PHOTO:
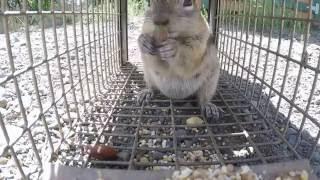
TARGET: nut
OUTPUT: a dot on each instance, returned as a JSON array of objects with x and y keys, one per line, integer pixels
[
  {"x": 160, "y": 34},
  {"x": 101, "y": 152},
  {"x": 194, "y": 121}
]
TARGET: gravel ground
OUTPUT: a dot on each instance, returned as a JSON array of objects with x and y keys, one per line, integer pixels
[{"x": 9, "y": 106}]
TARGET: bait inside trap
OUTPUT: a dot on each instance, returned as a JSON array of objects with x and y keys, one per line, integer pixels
[{"x": 86, "y": 115}]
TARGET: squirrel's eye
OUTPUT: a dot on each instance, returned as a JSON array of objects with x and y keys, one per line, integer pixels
[{"x": 187, "y": 3}]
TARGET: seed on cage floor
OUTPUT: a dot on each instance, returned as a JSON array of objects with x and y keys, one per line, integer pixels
[
  {"x": 3, "y": 161},
  {"x": 194, "y": 121}
]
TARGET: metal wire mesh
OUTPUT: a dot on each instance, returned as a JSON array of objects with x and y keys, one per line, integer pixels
[
  {"x": 91, "y": 90},
  {"x": 160, "y": 128},
  {"x": 68, "y": 58}
]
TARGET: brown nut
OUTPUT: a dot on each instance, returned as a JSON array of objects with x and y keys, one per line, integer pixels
[
  {"x": 160, "y": 34},
  {"x": 101, "y": 152}
]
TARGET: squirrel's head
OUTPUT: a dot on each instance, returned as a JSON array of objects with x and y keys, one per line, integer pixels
[{"x": 179, "y": 16}]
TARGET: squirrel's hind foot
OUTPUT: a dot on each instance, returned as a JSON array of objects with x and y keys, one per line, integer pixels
[
  {"x": 144, "y": 96},
  {"x": 212, "y": 111}
]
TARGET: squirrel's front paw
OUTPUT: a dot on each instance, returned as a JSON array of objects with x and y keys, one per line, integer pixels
[
  {"x": 144, "y": 95},
  {"x": 212, "y": 111},
  {"x": 168, "y": 49},
  {"x": 146, "y": 44}
]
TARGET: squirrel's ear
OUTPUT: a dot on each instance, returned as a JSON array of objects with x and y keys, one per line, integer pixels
[{"x": 198, "y": 4}]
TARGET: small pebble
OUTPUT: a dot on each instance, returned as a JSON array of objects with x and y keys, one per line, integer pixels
[
  {"x": 167, "y": 158},
  {"x": 292, "y": 173},
  {"x": 156, "y": 155},
  {"x": 195, "y": 155},
  {"x": 143, "y": 142},
  {"x": 145, "y": 131},
  {"x": 73, "y": 108},
  {"x": 230, "y": 168},
  {"x": 66, "y": 119},
  {"x": 164, "y": 143},
  {"x": 144, "y": 160},
  {"x": 3, "y": 103},
  {"x": 200, "y": 174},
  {"x": 3, "y": 161},
  {"x": 224, "y": 169},
  {"x": 224, "y": 173},
  {"x": 183, "y": 174},
  {"x": 153, "y": 133},
  {"x": 245, "y": 169},
  {"x": 124, "y": 156}
]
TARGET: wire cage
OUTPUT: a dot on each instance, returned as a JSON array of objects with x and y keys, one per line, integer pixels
[{"x": 67, "y": 83}]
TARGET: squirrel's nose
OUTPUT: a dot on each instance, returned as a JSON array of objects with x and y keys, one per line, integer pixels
[{"x": 160, "y": 21}]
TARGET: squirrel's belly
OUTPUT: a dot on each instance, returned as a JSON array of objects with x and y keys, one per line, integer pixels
[{"x": 177, "y": 88}]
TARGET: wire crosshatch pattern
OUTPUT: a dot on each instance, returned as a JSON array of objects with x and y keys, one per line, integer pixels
[{"x": 97, "y": 105}]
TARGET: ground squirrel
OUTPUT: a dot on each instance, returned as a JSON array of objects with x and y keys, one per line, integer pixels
[{"x": 179, "y": 54}]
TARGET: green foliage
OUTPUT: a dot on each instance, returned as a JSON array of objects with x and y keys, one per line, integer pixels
[
  {"x": 14, "y": 4},
  {"x": 33, "y": 4},
  {"x": 204, "y": 12},
  {"x": 136, "y": 7},
  {"x": 258, "y": 14},
  {"x": 274, "y": 8}
]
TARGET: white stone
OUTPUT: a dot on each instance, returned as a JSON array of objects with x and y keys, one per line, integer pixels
[
  {"x": 3, "y": 99},
  {"x": 164, "y": 143},
  {"x": 66, "y": 119},
  {"x": 13, "y": 132}
]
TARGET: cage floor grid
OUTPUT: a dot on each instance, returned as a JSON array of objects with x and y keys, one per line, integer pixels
[{"x": 156, "y": 136}]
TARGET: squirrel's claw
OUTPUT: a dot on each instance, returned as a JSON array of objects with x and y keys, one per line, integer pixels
[
  {"x": 168, "y": 49},
  {"x": 145, "y": 95},
  {"x": 212, "y": 111},
  {"x": 146, "y": 44}
]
